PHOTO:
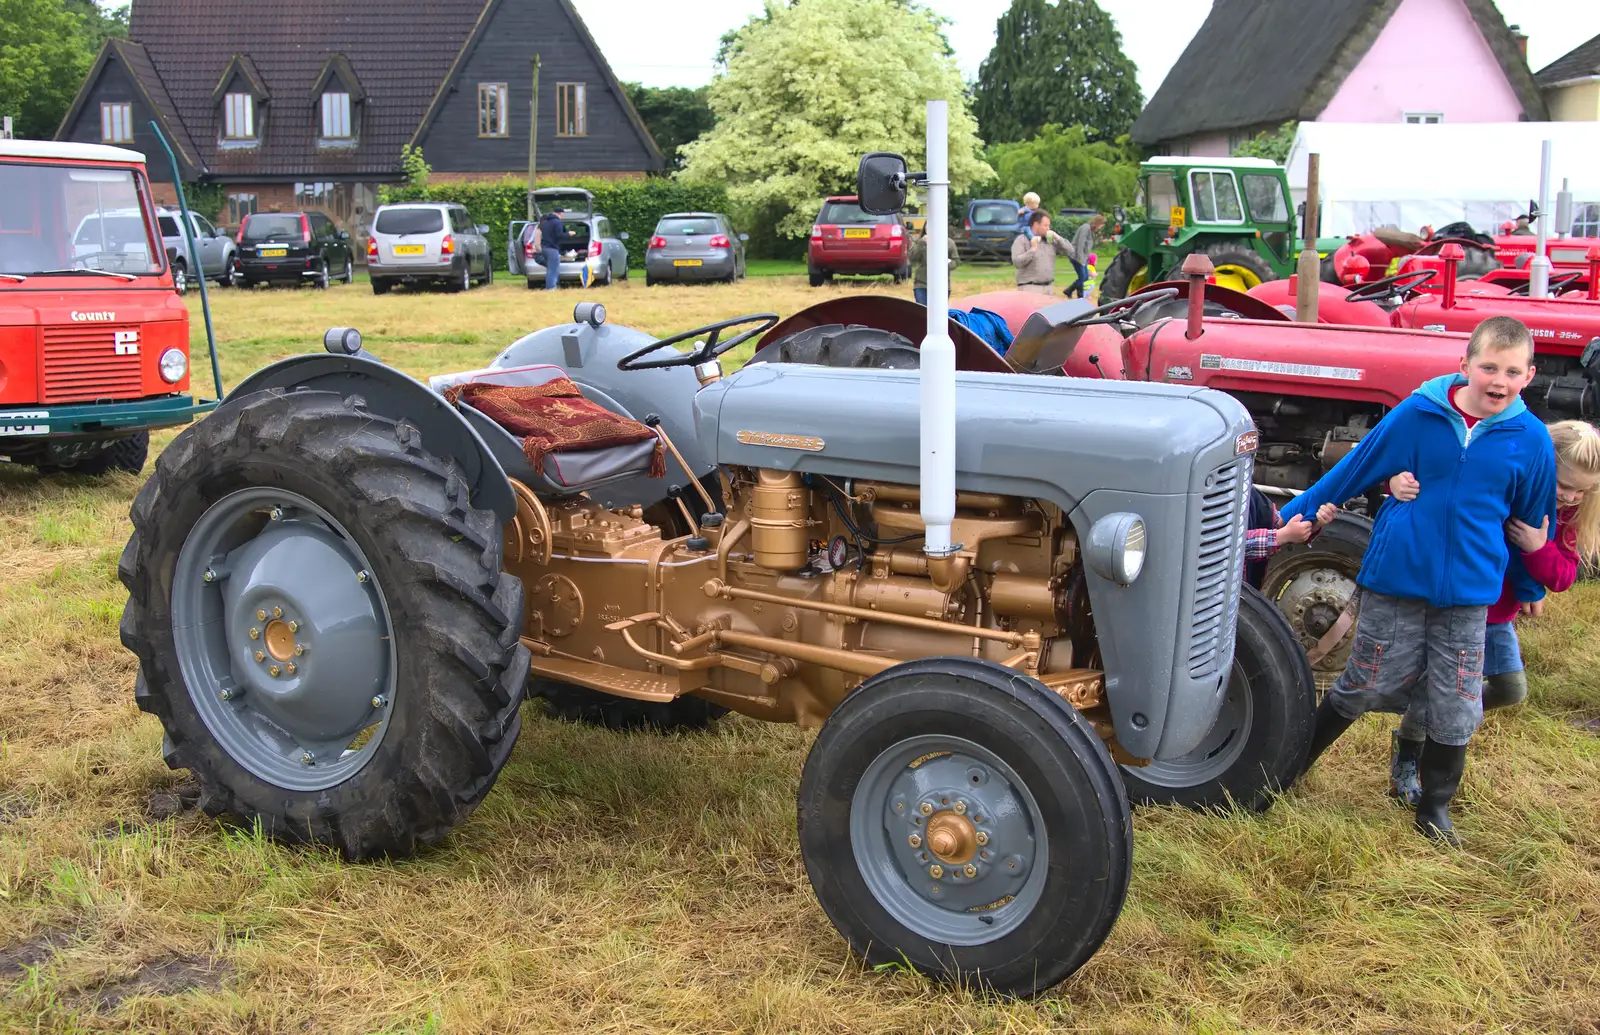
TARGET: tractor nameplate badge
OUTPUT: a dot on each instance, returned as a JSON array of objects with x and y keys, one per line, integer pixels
[
  {"x": 810, "y": 443},
  {"x": 1178, "y": 373},
  {"x": 1267, "y": 366},
  {"x": 16, "y": 422}
]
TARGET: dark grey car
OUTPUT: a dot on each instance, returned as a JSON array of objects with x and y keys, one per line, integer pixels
[
  {"x": 694, "y": 246},
  {"x": 591, "y": 249}
]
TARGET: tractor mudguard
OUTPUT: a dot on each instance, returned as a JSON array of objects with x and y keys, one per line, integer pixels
[
  {"x": 387, "y": 391},
  {"x": 589, "y": 355},
  {"x": 1176, "y": 456}
]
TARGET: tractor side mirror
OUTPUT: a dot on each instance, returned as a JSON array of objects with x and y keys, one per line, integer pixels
[{"x": 881, "y": 183}]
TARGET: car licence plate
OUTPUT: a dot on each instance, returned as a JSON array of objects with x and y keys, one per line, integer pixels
[
  {"x": 272, "y": 253},
  {"x": 863, "y": 232},
  {"x": 686, "y": 262},
  {"x": 408, "y": 249}
]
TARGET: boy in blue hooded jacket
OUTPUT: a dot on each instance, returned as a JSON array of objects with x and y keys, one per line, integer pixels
[{"x": 1433, "y": 567}]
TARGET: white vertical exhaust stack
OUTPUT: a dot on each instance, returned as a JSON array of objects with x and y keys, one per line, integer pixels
[
  {"x": 938, "y": 363},
  {"x": 1539, "y": 267}
]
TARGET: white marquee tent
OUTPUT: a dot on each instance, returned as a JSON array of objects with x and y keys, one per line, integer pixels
[{"x": 1407, "y": 176}]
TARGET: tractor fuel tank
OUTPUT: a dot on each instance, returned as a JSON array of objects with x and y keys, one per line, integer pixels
[{"x": 1180, "y": 458}]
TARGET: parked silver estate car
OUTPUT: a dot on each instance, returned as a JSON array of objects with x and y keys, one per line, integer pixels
[
  {"x": 590, "y": 243},
  {"x": 216, "y": 249},
  {"x": 694, "y": 246},
  {"x": 426, "y": 243}
]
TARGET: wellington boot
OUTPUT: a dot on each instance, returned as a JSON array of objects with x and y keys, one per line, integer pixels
[
  {"x": 1403, "y": 781},
  {"x": 1440, "y": 769},
  {"x": 1328, "y": 727}
]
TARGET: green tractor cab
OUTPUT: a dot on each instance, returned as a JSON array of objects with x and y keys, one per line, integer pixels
[{"x": 1235, "y": 210}]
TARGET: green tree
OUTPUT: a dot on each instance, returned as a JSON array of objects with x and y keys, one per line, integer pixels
[
  {"x": 1065, "y": 168},
  {"x": 674, "y": 115},
  {"x": 1059, "y": 62},
  {"x": 100, "y": 23},
  {"x": 1270, "y": 144},
  {"x": 45, "y": 49},
  {"x": 810, "y": 87}
]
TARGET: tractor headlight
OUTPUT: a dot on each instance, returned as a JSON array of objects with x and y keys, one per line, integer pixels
[
  {"x": 174, "y": 364},
  {"x": 1116, "y": 548}
]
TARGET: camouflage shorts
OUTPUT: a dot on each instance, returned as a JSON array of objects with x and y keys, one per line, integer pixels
[{"x": 1405, "y": 648}]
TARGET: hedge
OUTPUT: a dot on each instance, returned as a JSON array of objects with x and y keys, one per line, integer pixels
[{"x": 634, "y": 206}]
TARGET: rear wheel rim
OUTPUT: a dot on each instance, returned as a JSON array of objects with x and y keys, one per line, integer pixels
[
  {"x": 935, "y": 788},
  {"x": 267, "y": 580},
  {"x": 1137, "y": 282},
  {"x": 1311, "y": 591}
]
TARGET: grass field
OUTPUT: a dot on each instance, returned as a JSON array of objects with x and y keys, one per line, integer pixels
[{"x": 645, "y": 884}]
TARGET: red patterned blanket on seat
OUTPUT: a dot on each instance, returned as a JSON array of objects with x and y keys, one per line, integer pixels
[{"x": 555, "y": 418}]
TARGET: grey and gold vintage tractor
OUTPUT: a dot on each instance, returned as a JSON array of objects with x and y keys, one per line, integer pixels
[{"x": 984, "y": 592}]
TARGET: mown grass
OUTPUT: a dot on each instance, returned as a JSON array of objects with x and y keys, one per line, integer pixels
[{"x": 647, "y": 884}]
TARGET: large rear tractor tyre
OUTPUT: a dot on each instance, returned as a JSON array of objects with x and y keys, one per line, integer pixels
[
  {"x": 957, "y": 817},
  {"x": 322, "y": 624},
  {"x": 1257, "y": 747},
  {"x": 580, "y": 704},
  {"x": 842, "y": 345},
  {"x": 1124, "y": 276},
  {"x": 1313, "y": 584},
  {"x": 1238, "y": 265}
]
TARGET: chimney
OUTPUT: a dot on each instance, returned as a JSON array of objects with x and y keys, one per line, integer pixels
[{"x": 1522, "y": 40}]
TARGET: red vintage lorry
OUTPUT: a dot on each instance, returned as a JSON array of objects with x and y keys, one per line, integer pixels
[{"x": 94, "y": 340}]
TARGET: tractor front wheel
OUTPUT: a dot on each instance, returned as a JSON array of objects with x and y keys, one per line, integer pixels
[
  {"x": 1126, "y": 275},
  {"x": 322, "y": 624},
  {"x": 1257, "y": 746},
  {"x": 1238, "y": 265},
  {"x": 1314, "y": 586},
  {"x": 958, "y": 817}
]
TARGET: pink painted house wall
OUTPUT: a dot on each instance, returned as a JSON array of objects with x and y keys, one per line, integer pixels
[{"x": 1429, "y": 58}]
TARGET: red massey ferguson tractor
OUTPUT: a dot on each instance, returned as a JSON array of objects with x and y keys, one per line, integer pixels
[{"x": 1313, "y": 389}]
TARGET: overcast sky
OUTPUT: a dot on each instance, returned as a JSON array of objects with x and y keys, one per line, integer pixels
[{"x": 655, "y": 43}]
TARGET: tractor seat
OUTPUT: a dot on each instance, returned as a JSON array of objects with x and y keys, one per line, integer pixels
[{"x": 546, "y": 435}]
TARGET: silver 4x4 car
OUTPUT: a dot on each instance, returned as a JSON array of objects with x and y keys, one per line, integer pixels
[
  {"x": 215, "y": 249},
  {"x": 427, "y": 243}
]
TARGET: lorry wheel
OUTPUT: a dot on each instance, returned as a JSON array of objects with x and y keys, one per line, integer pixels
[
  {"x": 1124, "y": 276},
  {"x": 1257, "y": 747},
  {"x": 124, "y": 454},
  {"x": 1314, "y": 583},
  {"x": 580, "y": 704},
  {"x": 957, "y": 817},
  {"x": 1238, "y": 265},
  {"x": 842, "y": 345},
  {"x": 322, "y": 624}
]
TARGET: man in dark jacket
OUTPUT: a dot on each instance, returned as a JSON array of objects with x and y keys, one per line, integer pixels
[{"x": 551, "y": 230}]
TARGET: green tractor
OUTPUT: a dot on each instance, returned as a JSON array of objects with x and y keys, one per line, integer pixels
[{"x": 1235, "y": 210}]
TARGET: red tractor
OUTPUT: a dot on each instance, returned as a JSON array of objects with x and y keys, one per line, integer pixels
[
  {"x": 1313, "y": 389},
  {"x": 1501, "y": 261}
]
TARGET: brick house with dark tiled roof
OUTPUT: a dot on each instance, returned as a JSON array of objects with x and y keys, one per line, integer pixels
[{"x": 294, "y": 104}]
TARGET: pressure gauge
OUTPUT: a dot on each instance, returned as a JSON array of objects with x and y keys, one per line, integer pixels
[{"x": 838, "y": 552}]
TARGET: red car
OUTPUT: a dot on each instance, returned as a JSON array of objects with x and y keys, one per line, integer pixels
[{"x": 844, "y": 239}]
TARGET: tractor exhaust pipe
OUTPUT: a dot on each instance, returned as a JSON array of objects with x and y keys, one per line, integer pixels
[
  {"x": 1539, "y": 268},
  {"x": 1196, "y": 268},
  {"x": 938, "y": 359}
]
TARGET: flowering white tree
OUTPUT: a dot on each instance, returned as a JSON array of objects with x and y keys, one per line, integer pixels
[{"x": 811, "y": 87}]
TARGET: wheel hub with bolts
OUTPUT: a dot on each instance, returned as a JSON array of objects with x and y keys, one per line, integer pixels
[
  {"x": 955, "y": 853},
  {"x": 284, "y": 638}
]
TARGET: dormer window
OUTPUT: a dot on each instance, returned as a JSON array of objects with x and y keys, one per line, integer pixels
[
  {"x": 238, "y": 117},
  {"x": 336, "y": 115}
]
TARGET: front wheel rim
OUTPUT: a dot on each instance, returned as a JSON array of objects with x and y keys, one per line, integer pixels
[
  {"x": 1311, "y": 592},
  {"x": 1221, "y": 749},
  {"x": 949, "y": 840},
  {"x": 283, "y": 637}
]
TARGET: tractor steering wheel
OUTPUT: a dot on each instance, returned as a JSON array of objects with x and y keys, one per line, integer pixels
[
  {"x": 1110, "y": 312},
  {"x": 1398, "y": 284},
  {"x": 709, "y": 351},
  {"x": 1555, "y": 284}
]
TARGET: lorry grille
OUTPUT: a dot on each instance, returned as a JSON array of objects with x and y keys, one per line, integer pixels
[
  {"x": 1219, "y": 568},
  {"x": 81, "y": 365}
]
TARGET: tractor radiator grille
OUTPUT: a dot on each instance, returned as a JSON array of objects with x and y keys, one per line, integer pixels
[
  {"x": 81, "y": 365},
  {"x": 1218, "y": 568}
]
